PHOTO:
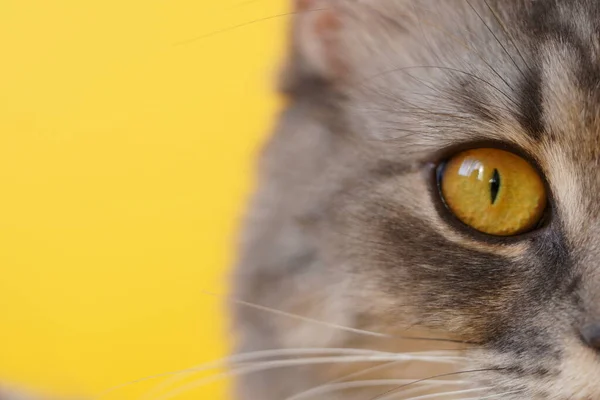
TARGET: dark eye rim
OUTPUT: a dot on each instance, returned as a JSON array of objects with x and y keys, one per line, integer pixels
[{"x": 436, "y": 167}]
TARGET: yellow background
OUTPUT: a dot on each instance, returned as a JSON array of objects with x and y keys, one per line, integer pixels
[{"x": 126, "y": 145}]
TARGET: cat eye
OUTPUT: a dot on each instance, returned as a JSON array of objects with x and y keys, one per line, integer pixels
[{"x": 493, "y": 191}]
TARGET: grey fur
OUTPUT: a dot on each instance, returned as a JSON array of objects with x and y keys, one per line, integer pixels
[{"x": 346, "y": 226}]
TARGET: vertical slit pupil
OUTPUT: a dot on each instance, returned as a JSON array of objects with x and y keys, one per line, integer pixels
[{"x": 495, "y": 185}]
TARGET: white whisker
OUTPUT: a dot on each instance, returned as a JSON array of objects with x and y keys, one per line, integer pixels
[
  {"x": 493, "y": 396},
  {"x": 368, "y": 383},
  {"x": 251, "y": 356},
  {"x": 328, "y": 324},
  {"x": 246, "y": 357},
  {"x": 267, "y": 365},
  {"x": 415, "y": 390},
  {"x": 347, "y": 377},
  {"x": 436, "y": 395},
  {"x": 305, "y": 319},
  {"x": 362, "y": 373}
]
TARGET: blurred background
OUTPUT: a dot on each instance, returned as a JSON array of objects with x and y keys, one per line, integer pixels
[{"x": 128, "y": 131}]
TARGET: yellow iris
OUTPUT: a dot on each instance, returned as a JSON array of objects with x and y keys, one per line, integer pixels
[{"x": 494, "y": 191}]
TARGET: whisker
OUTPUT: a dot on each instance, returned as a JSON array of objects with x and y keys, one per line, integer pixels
[
  {"x": 383, "y": 395},
  {"x": 346, "y": 377},
  {"x": 436, "y": 395},
  {"x": 495, "y": 37},
  {"x": 417, "y": 390},
  {"x": 450, "y": 69},
  {"x": 353, "y": 375},
  {"x": 330, "y": 325},
  {"x": 241, "y": 358},
  {"x": 442, "y": 90},
  {"x": 493, "y": 396},
  {"x": 182, "y": 375},
  {"x": 307, "y": 319},
  {"x": 366, "y": 383},
  {"x": 245, "y": 24},
  {"x": 268, "y": 365},
  {"x": 245, "y": 357},
  {"x": 506, "y": 32}
]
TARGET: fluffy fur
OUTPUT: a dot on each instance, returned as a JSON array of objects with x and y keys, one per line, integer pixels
[{"x": 347, "y": 226}]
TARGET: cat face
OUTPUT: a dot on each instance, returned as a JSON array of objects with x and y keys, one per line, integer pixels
[{"x": 399, "y": 88}]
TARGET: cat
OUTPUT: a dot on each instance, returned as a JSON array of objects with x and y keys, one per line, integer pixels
[
  {"x": 372, "y": 266},
  {"x": 354, "y": 246}
]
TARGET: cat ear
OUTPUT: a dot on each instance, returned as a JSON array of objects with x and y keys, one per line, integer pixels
[
  {"x": 333, "y": 40},
  {"x": 316, "y": 34}
]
